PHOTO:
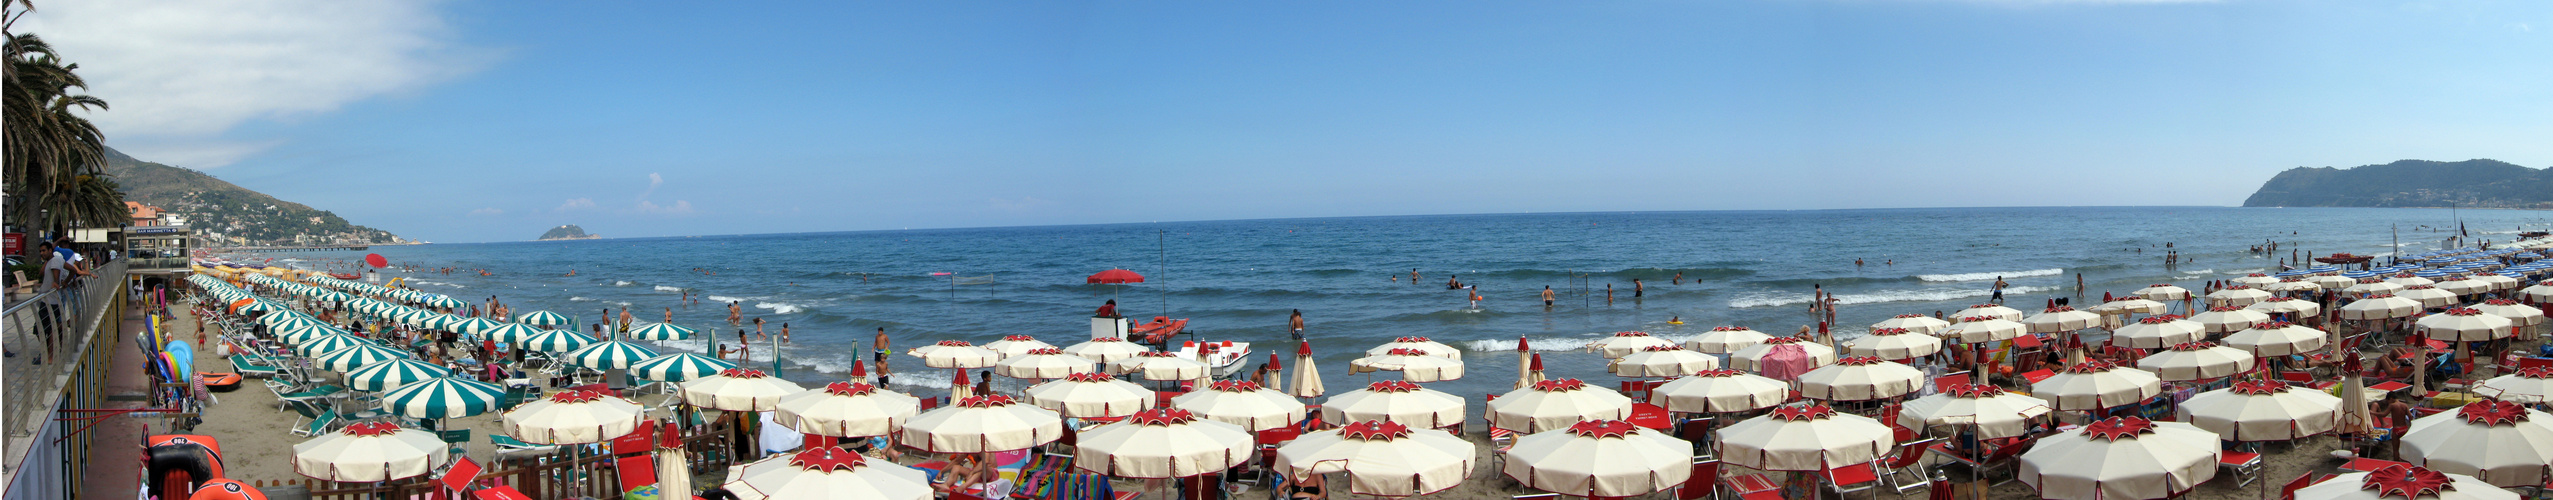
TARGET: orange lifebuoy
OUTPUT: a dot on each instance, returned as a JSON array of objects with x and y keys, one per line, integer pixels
[{"x": 226, "y": 489}]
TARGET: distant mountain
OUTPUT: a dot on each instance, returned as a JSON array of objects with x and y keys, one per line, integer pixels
[
  {"x": 2410, "y": 183},
  {"x": 228, "y": 214},
  {"x": 567, "y": 232}
]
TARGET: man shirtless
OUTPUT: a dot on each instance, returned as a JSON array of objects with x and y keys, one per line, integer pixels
[
  {"x": 1999, "y": 284},
  {"x": 882, "y": 353},
  {"x": 735, "y": 313},
  {"x": 1546, "y": 296}
]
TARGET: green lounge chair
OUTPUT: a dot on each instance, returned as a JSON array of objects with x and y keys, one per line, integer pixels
[{"x": 326, "y": 421}]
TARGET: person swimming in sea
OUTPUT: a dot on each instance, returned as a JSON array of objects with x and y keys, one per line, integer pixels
[{"x": 1675, "y": 320}]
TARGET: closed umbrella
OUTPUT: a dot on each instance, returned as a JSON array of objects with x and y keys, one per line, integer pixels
[
  {"x": 1720, "y": 391},
  {"x": 1600, "y": 458},
  {"x": 1396, "y": 401},
  {"x": 982, "y": 424},
  {"x": 2095, "y": 385},
  {"x": 2121, "y": 458},
  {"x": 446, "y": 397},
  {"x": 1992, "y": 311},
  {"x": 1163, "y": 443},
  {"x": 391, "y": 374},
  {"x": 1860, "y": 379},
  {"x": 1913, "y": 323},
  {"x": 1243, "y": 403},
  {"x": 827, "y": 472},
  {"x": 2403, "y": 482},
  {"x": 2156, "y": 332},
  {"x": 1160, "y": 366},
  {"x": 2228, "y": 319},
  {"x": 1420, "y": 344},
  {"x": 847, "y": 409},
  {"x": 1105, "y": 349},
  {"x": 2278, "y": 338},
  {"x": 1091, "y": 395},
  {"x": 1726, "y": 339},
  {"x": 1783, "y": 357},
  {"x": 370, "y": 452},
  {"x": 1381, "y": 458},
  {"x": 1015, "y": 345},
  {"x": 679, "y": 367},
  {"x": 1043, "y": 363},
  {"x": 2196, "y": 361},
  {"x": 2262, "y": 411},
  {"x": 1554, "y": 404},
  {"x": 1663, "y": 361},
  {"x": 1414, "y": 364},
  {"x": 2061, "y": 319},
  {"x": 1895, "y": 344},
  {"x": 738, "y": 389},
  {"x": 2502, "y": 443},
  {"x": 1307, "y": 380},
  {"x": 1624, "y": 343},
  {"x": 1989, "y": 410},
  {"x": 1804, "y": 438}
]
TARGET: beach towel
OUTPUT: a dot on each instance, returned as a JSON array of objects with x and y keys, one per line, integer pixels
[
  {"x": 1785, "y": 362},
  {"x": 778, "y": 438}
]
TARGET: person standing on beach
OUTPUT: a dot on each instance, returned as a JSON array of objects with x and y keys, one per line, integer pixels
[
  {"x": 880, "y": 357},
  {"x": 1547, "y": 295},
  {"x": 1999, "y": 284},
  {"x": 1294, "y": 323}
]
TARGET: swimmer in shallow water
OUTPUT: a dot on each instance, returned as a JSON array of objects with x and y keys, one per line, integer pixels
[{"x": 1675, "y": 320}]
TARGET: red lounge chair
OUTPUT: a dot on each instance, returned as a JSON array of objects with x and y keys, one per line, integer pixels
[
  {"x": 1702, "y": 484},
  {"x": 1850, "y": 478},
  {"x": 635, "y": 472},
  {"x": 1904, "y": 471},
  {"x": 2288, "y": 492},
  {"x": 1755, "y": 487},
  {"x": 2245, "y": 465},
  {"x": 500, "y": 493}
]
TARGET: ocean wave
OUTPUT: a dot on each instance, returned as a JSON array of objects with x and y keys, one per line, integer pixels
[
  {"x": 579, "y": 299},
  {"x": 1562, "y": 344},
  {"x": 435, "y": 283},
  {"x": 1989, "y": 275},
  {"x": 723, "y": 298},
  {"x": 1920, "y": 295},
  {"x": 781, "y": 307},
  {"x": 2242, "y": 272},
  {"x": 622, "y": 283},
  {"x": 663, "y": 288}
]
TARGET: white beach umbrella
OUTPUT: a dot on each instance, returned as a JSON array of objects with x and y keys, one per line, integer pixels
[
  {"x": 2278, "y": 338},
  {"x": 1163, "y": 443},
  {"x": 1105, "y": 349},
  {"x": 2333, "y": 281},
  {"x": 2228, "y": 319},
  {"x": 2293, "y": 285},
  {"x": 2428, "y": 296},
  {"x": 2519, "y": 315},
  {"x": 1381, "y": 458},
  {"x": 1894, "y": 343},
  {"x": 1624, "y": 343},
  {"x": 1091, "y": 395},
  {"x": 1989, "y": 410},
  {"x": 1663, "y": 361},
  {"x": 2499, "y": 282},
  {"x": 1980, "y": 329},
  {"x": 846, "y": 409},
  {"x": 956, "y": 354},
  {"x": 370, "y": 452},
  {"x": 2237, "y": 296},
  {"x": 1159, "y": 366},
  {"x": 2255, "y": 279},
  {"x": 1804, "y": 438},
  {"x": 1600, "y": 459},
  {"x": 2410, "y": 280},
  {"x": 1015, "y": 345},
  {"x": 2502, "y": 443},
  {"x": 2196, "y": 361},
  {"x": 1243, "y": 403},
  {"x": 2465, "y": 324},
  {"x": 982, "y": 424},
  {"x": 2163, "y": 293},
  {"x": 2541, "y": 293},
  {"x": 738, "y": 389},
  {"x": 573, "y": 417},
  {"x": 2156, "y": 332},
  {"x": 2094, "y": 385},
  {"x": 2262, "y": 411},
  {"x": 1396, "y": 401},
  {"x": 1421, "y": 344},
  {"x": 2061, "y": 319},
  {"x": 2121, "y": 458},
  {"x": 1720, "y": 391},
  {"x": 2289, "y": 306},
  {"x": 1752, "y": 358},
  {"x": 2372, "y": 286},
  {"x": 2403, "y": 482},
  {"x": 2131, "y": 305},
  {"x": 2467, "y": 286},
  {"x": 1726, "y": 339},
  {"x": 1987, "y": 311},
  {"x": 1554, "y": 404},
  {"x": 1911, "y": 322},
  {"x": 1860, "y": 379},
  {"x": 1043, "y": 363},
  {"x": 2526, "y": 386},
  {"x": 827, "y": 472},
  {"x": 2380, "y": 306},
  {"x": 1414, "y": 364}
]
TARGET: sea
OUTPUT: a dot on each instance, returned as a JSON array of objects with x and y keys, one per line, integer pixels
[{"x": 1351, "y": 277}]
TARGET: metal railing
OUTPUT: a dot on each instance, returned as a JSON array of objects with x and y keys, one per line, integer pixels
[{"x": 48, "y": 334}]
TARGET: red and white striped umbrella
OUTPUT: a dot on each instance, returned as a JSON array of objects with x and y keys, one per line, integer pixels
[
  {"x": 827, "y": 472},
  {"x": 1989, "y": 410},
  {"x": 573, "y": 417}
]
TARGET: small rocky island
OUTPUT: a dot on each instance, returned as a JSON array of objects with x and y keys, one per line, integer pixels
[{"x": 567, "y": 232}]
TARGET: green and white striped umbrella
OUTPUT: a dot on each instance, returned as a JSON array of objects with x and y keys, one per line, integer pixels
[
  {"x": 446, "y": 397},
  {"x": 513, "y": 333},
  {"x": 558, "y": 341},
  {"x": 391, "y": 374},
  {"x": 412, "y": 316},
  {"x": 544, "y": 318},
  {"x": 304, "y": 333},
  {"x": 353, "y": 358},
  {"x": 261, "y": 305},
  {"x": 679, "y": 367},
  {"x": 609, "y": 355},
  {"x": 368, "y": 306},
  {"x": 474, "y": 326},
  {"x": 445, "y": 302},
  {"x": 439, "y": 321},
  {"x": 288, "y": 319},
  {"x": 661, "y": 332},
  {"x": 324, "y": 344}
]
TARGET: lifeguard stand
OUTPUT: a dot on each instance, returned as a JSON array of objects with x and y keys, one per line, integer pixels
[{"x": 1106, "y": 327}]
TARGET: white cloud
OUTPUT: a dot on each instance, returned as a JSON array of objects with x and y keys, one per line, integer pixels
[
  {"x": 678, "y": 208},
  {"x": 653, "y": 180},
  {"x": 487, "y": 211},
  {"x": 179, "y": 73},
  {"x": 579, "y": 203}
]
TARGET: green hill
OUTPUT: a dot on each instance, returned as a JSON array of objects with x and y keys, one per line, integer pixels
[
  {"x": 229, "y": 214},
  {"x": 2410, "y": 183}
]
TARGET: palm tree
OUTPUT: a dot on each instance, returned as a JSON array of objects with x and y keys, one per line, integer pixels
[{"x": 55, "y": 159}]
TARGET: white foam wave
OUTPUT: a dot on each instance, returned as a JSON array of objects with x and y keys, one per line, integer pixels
[
  {"x": 2201, "y": 271},
  {"x": 1921, "y": 295},
  {"x": 579, "y": 299},
  {"x": 723, "y": 298},
  {"x": 622, "y": 283},
  {"x": 1561, "y": 344},
  {"x": 2241, "y": 272},
  {"x": 435, "y": 283},
  {"x": 1989, "y": 275},
  {"x": 781, "y": 307},
  {"x": 663, "y": 288}
]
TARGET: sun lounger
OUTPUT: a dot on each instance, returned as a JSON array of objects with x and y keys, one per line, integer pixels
[
  {"x": 326, "y": 421},
  {"x": 248, "y": 366},
  {"x": 508, "y": 446}
]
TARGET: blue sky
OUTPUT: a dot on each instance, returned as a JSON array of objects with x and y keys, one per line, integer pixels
[{"x": 485, "y": 121}]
